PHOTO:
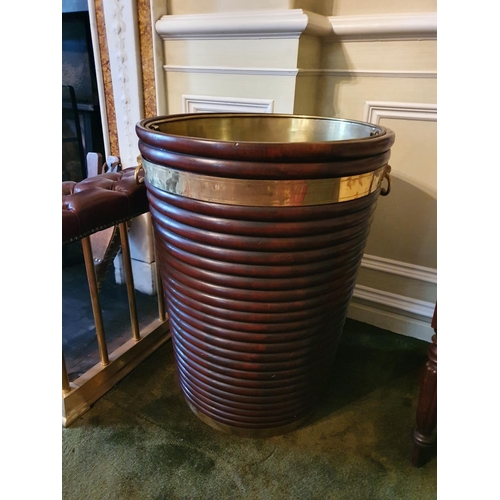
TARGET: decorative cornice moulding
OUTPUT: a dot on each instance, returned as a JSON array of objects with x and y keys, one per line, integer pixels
[
  {"x": 295, "y": 22},
  {"x": 411, "y": 26},
  {"x": 243, "y": 25}
]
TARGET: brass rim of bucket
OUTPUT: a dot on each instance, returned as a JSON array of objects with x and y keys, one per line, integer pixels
[{"x": 268, "y": 136}]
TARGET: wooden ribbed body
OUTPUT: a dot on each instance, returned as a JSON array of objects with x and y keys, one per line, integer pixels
[{"x": 256, "y": 295}]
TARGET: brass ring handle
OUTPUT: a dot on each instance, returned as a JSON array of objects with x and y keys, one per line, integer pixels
[
  {"x": 136, "y": 175},
  {"x": 383, "y": 191}
]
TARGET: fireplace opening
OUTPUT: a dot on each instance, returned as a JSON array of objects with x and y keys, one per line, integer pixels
[{"x": 81, "y": 118}]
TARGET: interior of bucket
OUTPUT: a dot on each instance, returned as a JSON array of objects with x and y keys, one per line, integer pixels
[{"x": 264, "y": 128}]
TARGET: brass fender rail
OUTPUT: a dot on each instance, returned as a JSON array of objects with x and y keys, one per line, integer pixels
[{"x": 79, "y": 395}]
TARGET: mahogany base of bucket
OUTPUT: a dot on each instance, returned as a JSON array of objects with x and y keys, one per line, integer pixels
[{"x": 249, "y": 433}]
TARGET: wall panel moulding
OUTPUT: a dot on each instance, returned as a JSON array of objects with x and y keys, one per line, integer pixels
[
  {"x": 242, "y": 25},
  {"x": 376, "y": 110},
  {"x": 210, "y": 104}
]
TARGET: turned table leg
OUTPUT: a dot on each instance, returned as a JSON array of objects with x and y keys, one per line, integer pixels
[{"x": 426, "y": 418}]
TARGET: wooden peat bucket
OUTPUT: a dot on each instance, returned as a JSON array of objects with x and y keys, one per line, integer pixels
[{"x": 261, "y": 221}]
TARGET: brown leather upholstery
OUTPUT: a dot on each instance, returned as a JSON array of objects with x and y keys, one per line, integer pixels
[{"x": 100, "y": 202}]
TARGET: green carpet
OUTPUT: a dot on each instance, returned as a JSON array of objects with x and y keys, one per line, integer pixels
[{"x": 141, "y": 441}]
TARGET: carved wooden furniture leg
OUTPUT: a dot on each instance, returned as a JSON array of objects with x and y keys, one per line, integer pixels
[{"x": 426, "y": 418}]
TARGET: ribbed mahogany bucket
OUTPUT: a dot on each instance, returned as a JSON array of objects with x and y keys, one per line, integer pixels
[{"x": 260, "y": 225}]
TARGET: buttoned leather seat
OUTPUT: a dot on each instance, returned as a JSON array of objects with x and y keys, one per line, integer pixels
[{"x": 99, "y": 202}]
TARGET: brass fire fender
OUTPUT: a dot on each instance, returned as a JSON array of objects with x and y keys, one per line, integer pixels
[{"x": 78, "y": 396}]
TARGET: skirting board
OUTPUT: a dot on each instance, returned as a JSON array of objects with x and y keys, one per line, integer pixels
[
  {"x": 393, "y": 312},
  {"x": 390, "y": 321},
  {"x": 390, "y": 299}
]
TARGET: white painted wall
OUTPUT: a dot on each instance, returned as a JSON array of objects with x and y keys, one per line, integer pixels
[
  {"x": 179, "y": 7},
  {"x": 376, "y": 62},
  {"x": 381, "y": 68},
  {"x": 362, "y": 60}
]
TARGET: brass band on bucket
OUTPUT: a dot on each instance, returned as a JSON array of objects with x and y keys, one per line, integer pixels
[{"x": 262, "y": 192}]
